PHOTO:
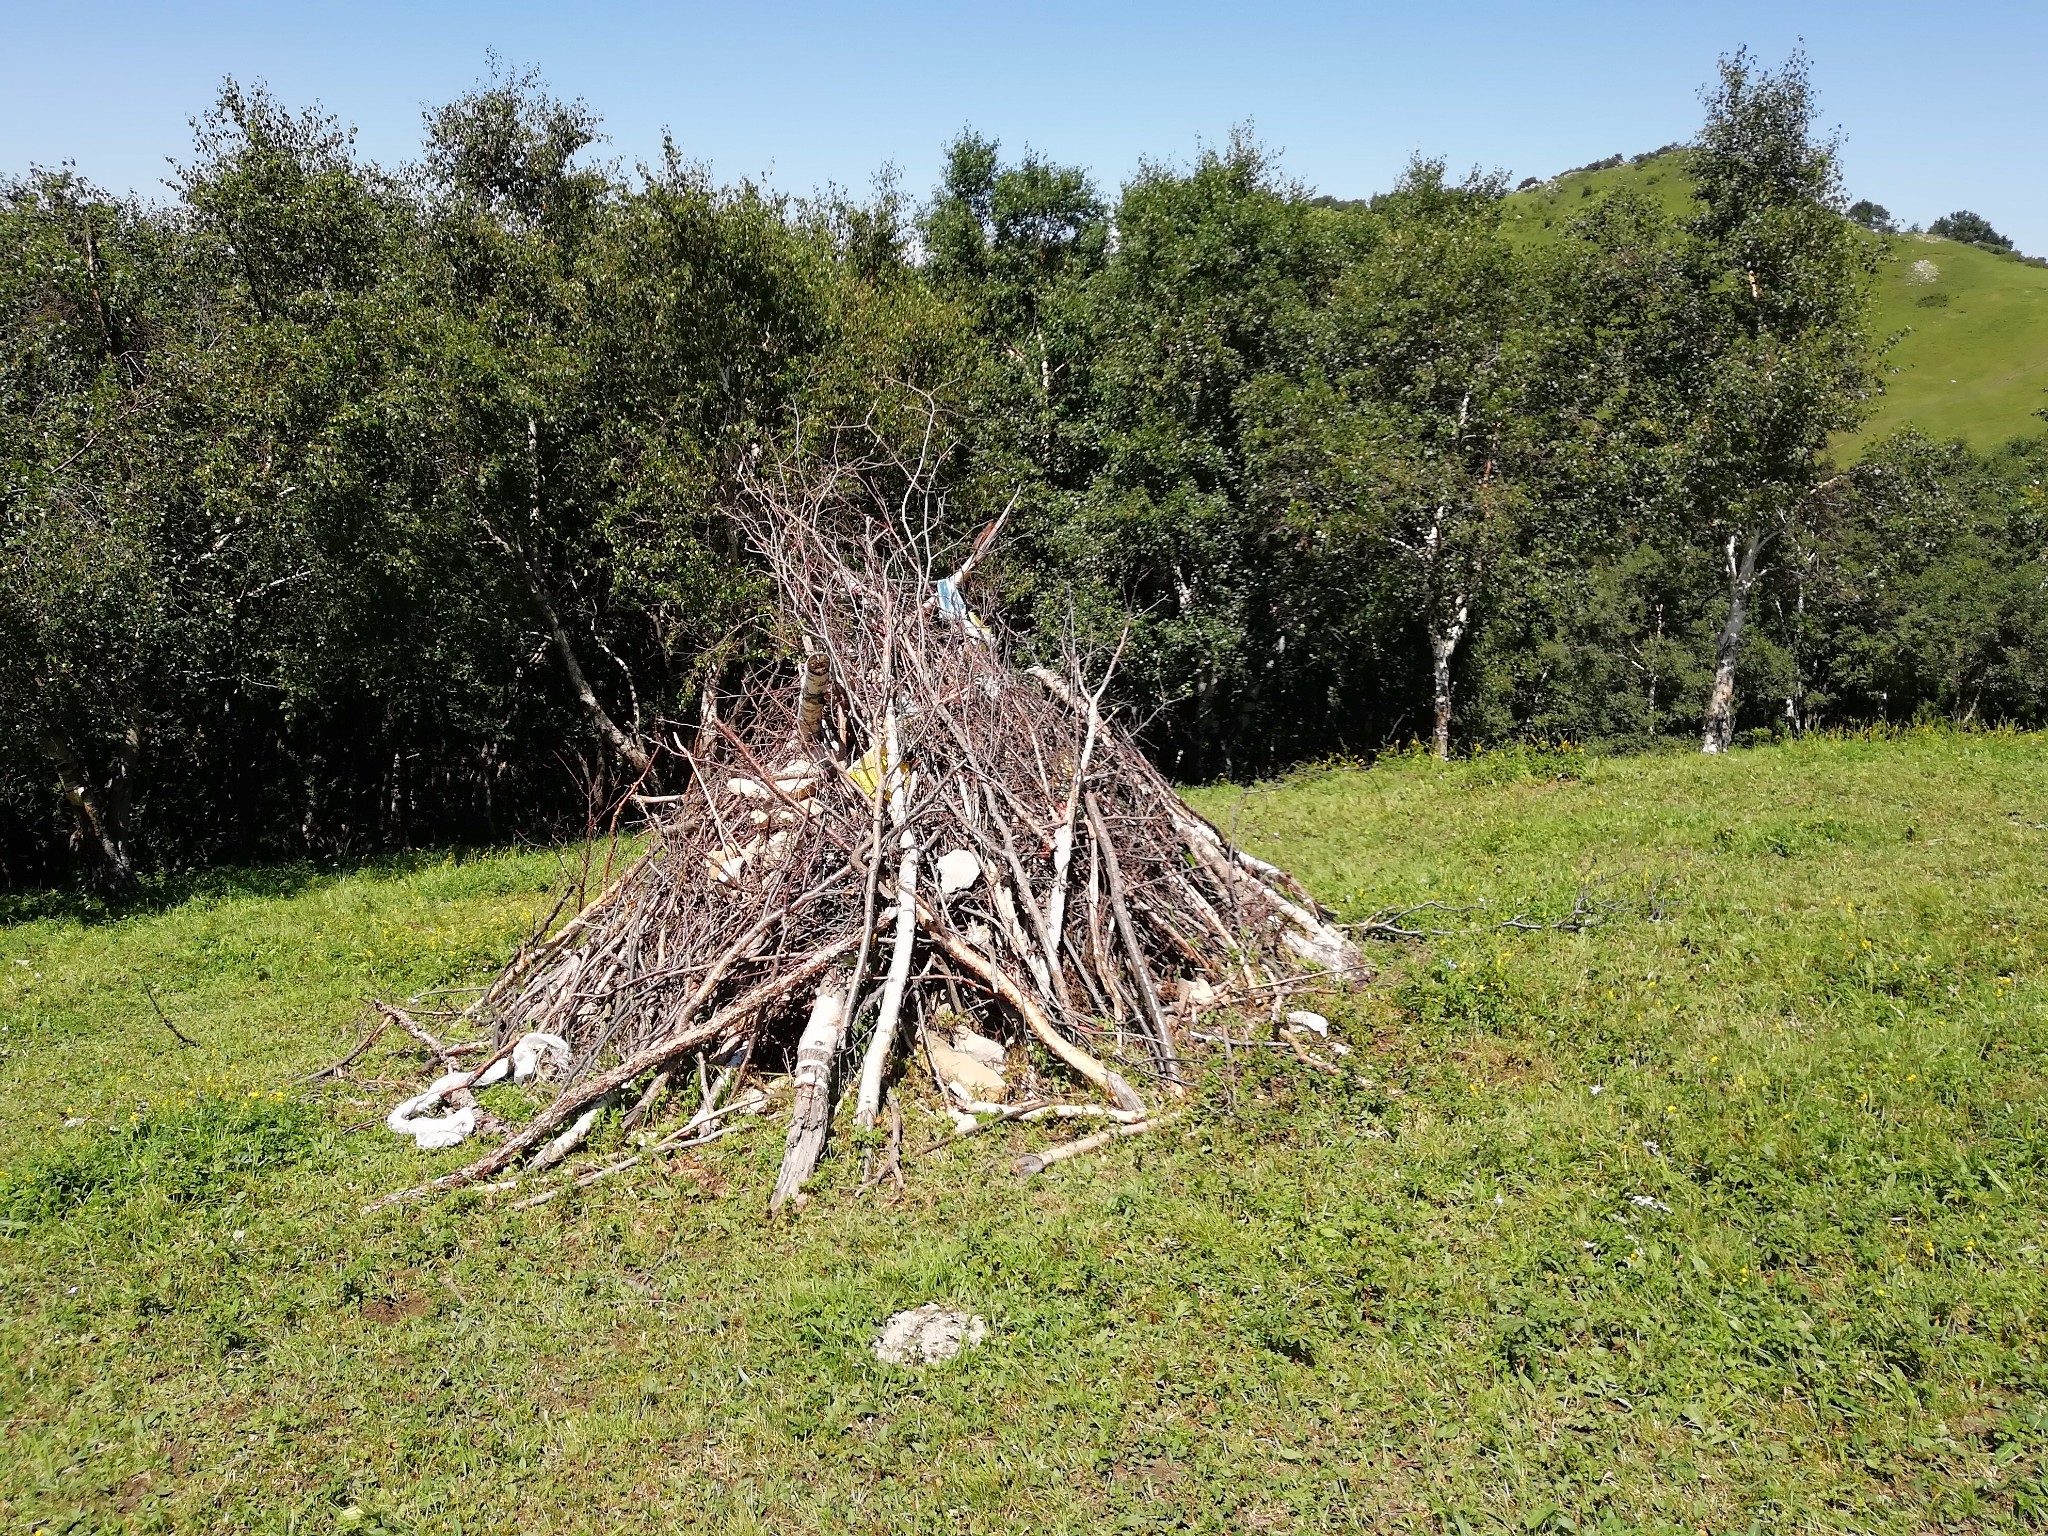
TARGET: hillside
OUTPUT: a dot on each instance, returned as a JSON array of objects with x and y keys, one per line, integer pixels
[
  {"x": 1722, "y": 1211},
  {"x": 1971, "y": 359}
]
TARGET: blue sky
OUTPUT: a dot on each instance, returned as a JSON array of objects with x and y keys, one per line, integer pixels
[{"x": 1942, "y": 106}]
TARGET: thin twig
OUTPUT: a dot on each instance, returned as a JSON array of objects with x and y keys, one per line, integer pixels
[{"x": 183, "y": 1038}]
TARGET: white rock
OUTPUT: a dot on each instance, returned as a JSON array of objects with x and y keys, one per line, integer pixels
[
  {"x": 988, "y": 1052},
  {"x": 958, "y": 871},
  {"x": 1302, "y": 1018},
  {"x": 975, "y": 1078},
  {"x": 926, "y": 1334}
]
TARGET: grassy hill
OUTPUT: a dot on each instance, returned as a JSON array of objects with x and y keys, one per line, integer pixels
[
  {"x": 1726, "y": 1211},
  {"x": 1971, "y": 358}
]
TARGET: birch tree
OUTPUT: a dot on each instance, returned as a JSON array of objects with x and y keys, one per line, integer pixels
[
  {"x": 1411, "y": 440},
  {"x": 1780, "y": 359}
]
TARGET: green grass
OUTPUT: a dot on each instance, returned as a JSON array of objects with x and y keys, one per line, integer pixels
[
  {"x": 1440, "y": 1293},
  {"x": 1969, "y": 353},
  {"x": 1971, "y": 360}
]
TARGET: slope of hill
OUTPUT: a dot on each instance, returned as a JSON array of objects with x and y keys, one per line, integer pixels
[
  {"x": 1970, "y": 354},
  {"x": 1971, "y": 359}
]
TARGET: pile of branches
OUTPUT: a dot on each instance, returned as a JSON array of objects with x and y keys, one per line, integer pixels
[{"x": 905, "y": 847}]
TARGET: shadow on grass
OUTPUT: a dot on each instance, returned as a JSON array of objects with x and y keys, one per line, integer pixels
[{"x": 165, "y": 889}]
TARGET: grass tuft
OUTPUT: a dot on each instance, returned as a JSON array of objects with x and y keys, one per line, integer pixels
[{"x": 202, "y": 1150}]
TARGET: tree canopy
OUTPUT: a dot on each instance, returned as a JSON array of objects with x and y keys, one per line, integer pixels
[{"x": 346, "y": 506}]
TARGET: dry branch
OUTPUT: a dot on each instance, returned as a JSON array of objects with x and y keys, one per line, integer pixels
[{"x": 899, "y": 798}]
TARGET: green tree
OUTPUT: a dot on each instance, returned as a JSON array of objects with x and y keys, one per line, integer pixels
[
  {"x": 606, "y": 354},
  {"x": 1929, "y": 593},
  {"x": 1013, "y": 243},
  {"x": 1215, "y": 278},
  {"x": 1776, "y": 357},
  {"x": 1971, "y": 229},
  {"x": 1412, "y": 441},
  {"x": 102, "y": 553}
]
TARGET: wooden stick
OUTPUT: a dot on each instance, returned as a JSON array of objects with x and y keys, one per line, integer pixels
[
  {"x": 1048, "y": 946},
  {"x": 869, "y": 1098},
  {"x": 811, "y": 1104},
  {"x": 707, "y": 1108},
  {"x": 1063, "y": 840},
  {"x": 769, "y": 992},
  {"x": 1037, "y": 1162},
  {"x": 996, "y": 981},
  {"x": 817, "y": 685},
  {"x": 383, "y": 1023},
  {"x": 165, "y": 1020},
  {"x": 1318, "y": 940},
  {"x": 405, "y": 1022},
  {"x": 894, "y": 1161},
  {"x": 551, "y": 946},
  {"x": 637, "y": 1115},
  {"x": 1141, "y": 972},
  {"x": 890, "y": 1164},
  {"x": 1089, "y": 981},
  {"x": 568, "y": 1141}
]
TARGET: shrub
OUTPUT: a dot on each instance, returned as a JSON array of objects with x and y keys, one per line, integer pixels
[{"x": 1970, "y": 229}]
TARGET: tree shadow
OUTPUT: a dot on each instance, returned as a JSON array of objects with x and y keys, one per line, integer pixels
[{"x": 162, "y": 890}]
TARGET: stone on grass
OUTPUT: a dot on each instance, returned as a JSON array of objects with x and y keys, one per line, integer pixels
[
  {"x": 976, "y": 1080},
  {"x": 989, "y": 1053},
  {"x": 927, "y": 1333}
]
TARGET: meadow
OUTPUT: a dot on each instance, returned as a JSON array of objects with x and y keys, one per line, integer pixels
[
  {"x": 1690, "y": 1178},
  {"x": 1964, "y": 330}
]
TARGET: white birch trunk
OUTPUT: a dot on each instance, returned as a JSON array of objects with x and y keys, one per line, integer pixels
[
  {"x": 1717, "y": 731},
  {"x": 868, "y": 1101}
]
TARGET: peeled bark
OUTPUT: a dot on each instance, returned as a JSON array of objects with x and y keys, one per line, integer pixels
[
  {"x": 1718, "y": 728},
  {"x": 817, "y": 687},
  {"x": 811, "y": 1103},
  {"x": 868, "y": 1101}
]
